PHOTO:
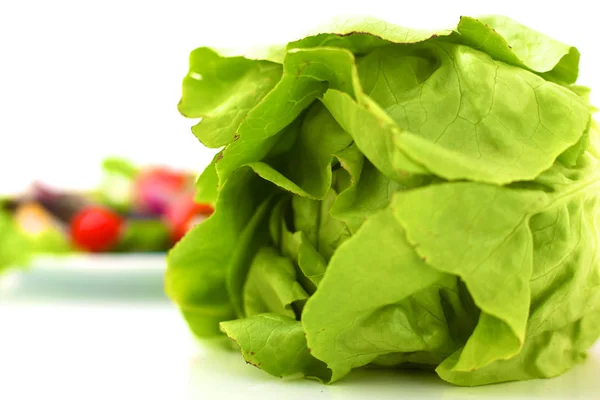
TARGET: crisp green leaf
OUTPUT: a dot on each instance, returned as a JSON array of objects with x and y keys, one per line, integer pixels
[
  {"x": 271, "y": 285},
  {"x": 545, "y": 355},
  {"x": 199, "y": 264},
  {"x": 480, "y": 233},
  {"x": 207, "y": 185},
  {"x": 373, "y": 269},
  {"x": 221, "y": 91},
  {"x": 291, "y": 244},
  {"x": 276, "y": 344},
  {"x": 463, "y": 108},
  {"x": 368, "y": 190},
  {"x": 309, "y": 164},
  {"x": 254, "y": 235},
  {"x": 506, "y": 40},
  {"x": 311, "y": 262},
  {"x": 565, "y": 282},
  {"x": 332, "y": 232},
  {"x": 361, "y": 34},
  {"x": 306, "y": 216}
]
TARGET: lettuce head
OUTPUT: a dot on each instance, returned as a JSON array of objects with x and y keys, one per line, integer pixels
[{"x": 395, "y": 198}]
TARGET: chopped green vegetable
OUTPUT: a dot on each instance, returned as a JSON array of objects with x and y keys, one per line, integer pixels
[
  {"x": 120, "y": 166},
  {"x": 14, "y": 247},
  {"x": 389, "y": 197},
  {"x": 116, "y": 186},
  {"x": 144, "y": 235}
]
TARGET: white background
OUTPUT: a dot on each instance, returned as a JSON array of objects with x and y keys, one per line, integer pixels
[{"x": 80, "y": 80}]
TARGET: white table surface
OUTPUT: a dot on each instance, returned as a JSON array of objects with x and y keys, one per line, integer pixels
[{"x": 69, "y": 349}]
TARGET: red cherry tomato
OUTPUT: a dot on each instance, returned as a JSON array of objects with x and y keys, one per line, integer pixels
[
  {"x": 95, "y": 229},
  {"x": 183, "y": 214}
]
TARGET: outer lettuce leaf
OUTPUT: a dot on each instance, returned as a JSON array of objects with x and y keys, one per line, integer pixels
[
  {"x": 548, "y": 354},
  {"x": 294, "y": 93},
  {"x": 346, "y": 323},
  {"x": 506, "y": 40},
  {"x": 503, "y": 38},
  {"x": 565, "y": 293},
  {"x": 465, "y": 113},
  {"x": 222, "y": 91},
  {"x": 480, "y": 233},
  {"x": 361, "y": 34},
  {"x": 207, "y": 185},
  {"x": 467, "y": 126},
  {"x": 202, "y": 293},
  {"x": 276, "y": 344}
]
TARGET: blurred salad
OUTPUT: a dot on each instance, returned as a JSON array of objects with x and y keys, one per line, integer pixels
[
  {"x": 134, "y": 209},
  {"x": 13, "y": 245}
]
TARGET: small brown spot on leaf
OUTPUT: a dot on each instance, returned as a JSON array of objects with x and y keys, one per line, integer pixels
[
  {"x": 309, "y": 350},
  {"x": 236, "y": 137},
  {"x": 252, "y": 353},
  {"x": 220, "y": 156}
]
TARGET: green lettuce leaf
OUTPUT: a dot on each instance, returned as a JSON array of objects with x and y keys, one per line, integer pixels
[
  {"x": 508, "y": 41},
  {"x": 276, "y": 344},
  {"x": 222, "y": 91}
]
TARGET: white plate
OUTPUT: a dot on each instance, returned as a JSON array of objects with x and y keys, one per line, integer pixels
[
  {"x": 105, "y": 262},
  {"x": 122, "y": 277}
]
